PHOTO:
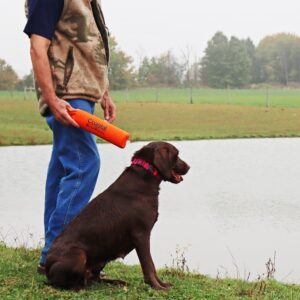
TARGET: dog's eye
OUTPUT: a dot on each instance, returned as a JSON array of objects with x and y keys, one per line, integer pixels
[{"x": 175, "y": 159}]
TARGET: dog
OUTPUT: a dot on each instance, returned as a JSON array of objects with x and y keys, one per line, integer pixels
[{"x": 116, "y": 222}]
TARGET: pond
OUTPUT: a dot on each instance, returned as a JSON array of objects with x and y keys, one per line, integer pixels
[{"x": 238, "y": 206}]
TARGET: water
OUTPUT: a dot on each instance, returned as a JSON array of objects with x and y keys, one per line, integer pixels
[{"x": 238, "y": 205}]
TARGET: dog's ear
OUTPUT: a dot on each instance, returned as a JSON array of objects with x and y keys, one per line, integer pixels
[
  {"x": 163, "y": 162},
  {"x": 146, "y": 153}
]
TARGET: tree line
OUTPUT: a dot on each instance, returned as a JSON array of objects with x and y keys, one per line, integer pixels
[
  {"x": 238, "y": 63},
  {"x": 226, "y": 63}
]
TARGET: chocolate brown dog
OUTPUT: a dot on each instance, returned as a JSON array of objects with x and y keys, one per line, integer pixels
[{"x": 116, "y": 222}]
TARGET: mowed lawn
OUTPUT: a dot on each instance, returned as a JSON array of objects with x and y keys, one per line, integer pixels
[
  {"x": 21, "y": 124},
  {"x": 253, "y": 97},
  {"x": 273, "y": 97}
]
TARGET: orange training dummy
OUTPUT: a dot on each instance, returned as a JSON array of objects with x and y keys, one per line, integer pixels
[{"x": 99, "y": 127}]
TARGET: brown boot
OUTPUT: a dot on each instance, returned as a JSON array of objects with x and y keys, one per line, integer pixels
[{"x": 41, "y": 269}]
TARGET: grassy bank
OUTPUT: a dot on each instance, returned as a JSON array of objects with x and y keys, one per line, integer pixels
[
  {"x": 21, "y": 124},
  {"x": 18, "y": 280}
]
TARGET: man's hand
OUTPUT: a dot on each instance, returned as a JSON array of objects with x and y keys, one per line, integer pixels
[
  {"x": 108, "y": 107},
  {"x": 60, "y": 109}
]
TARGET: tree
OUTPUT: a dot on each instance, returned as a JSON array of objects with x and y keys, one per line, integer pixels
[
  {"x": 121, "y": 73},
  {"x": 144, "y": 72},
  {"x": 279, "y": 56},
  {"x": 228, "y": 63},
  {"x": 8, "y": 77},
  {"x": 195, "y": 73},
  {"x": 160, "y": 71},
  {"x": 254, "y": 61},
  {"x": 26, "y": 82},
  {"x": 215, "y": 64},
  {"x": 239, "y": 63},
  {"x": 168, "y": 70}
]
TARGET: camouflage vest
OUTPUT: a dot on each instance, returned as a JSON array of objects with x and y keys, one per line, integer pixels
[{"x": 78, "y": 53}]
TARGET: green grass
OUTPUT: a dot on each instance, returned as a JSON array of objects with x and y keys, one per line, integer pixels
[
  {"x": 19, "y": 280},
  {"x": 253, "y": 97},
  {"x": 21, "y": 124}
]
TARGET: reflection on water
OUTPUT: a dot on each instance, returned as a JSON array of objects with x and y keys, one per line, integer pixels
[{"x": 239, "y": 204}]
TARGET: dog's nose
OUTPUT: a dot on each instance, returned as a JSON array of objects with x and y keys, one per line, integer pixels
[{"x": 187, "y": 168}]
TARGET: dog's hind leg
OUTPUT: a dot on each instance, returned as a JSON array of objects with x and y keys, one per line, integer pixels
[
  {"x": 69, "y": 271},
  {"x": 112, "y": 281},
  {"x": 96, "y": 276}
]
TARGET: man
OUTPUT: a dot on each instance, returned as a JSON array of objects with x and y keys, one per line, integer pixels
[{"x": 70, "y": 54}]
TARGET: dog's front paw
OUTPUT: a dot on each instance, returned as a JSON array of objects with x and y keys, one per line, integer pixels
[
  {"x": 161, "y": 287},
  {"x": 162, "y": 283},
  {"x": 158, "y": 285},
  {"x": 165, "y": 284}
]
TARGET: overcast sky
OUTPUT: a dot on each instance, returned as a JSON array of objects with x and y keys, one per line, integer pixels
[{"x": 153, "y": 27}]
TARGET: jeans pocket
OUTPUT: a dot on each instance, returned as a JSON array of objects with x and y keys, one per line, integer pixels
[{"x": 92, "y": 107}]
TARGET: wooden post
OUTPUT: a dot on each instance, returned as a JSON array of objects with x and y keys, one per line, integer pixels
[
  {"x": 191, "y": 94},
  {"x": 157, "y": 95},
  {"x": 228, "y": 95},
  {"x": 267, "y": 98}
]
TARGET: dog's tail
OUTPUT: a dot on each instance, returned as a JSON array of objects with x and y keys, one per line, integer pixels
[{"x": 67, "y": 273}]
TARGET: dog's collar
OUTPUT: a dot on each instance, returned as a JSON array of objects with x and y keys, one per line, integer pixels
[{"x": 145, "y": 165}]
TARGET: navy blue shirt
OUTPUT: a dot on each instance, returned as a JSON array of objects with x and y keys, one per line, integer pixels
[{"x": 43, "y": 17}]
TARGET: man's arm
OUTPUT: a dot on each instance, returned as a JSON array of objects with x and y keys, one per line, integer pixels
[{"x": 41, "y": 66}]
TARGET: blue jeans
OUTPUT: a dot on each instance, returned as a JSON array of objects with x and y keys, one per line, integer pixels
[{"x": 72, "y": 174}]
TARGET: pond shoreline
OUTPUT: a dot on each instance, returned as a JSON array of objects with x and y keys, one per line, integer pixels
[{"x": 230, "y": 138}]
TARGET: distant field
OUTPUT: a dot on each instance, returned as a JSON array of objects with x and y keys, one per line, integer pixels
[
  {"x": 261, "y": 97},
  {"x": 21, "y": 124},
  {"x": 252, "y": 97}
]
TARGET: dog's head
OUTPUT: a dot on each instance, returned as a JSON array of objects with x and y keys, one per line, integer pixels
[{"x": 164, "y": 157}]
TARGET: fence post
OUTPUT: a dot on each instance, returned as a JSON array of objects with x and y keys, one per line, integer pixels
[
  {"x": 127, "y": 95},
  {"x": 267, "y": 98},
  {"x": 228, "y": 95},
  {"x": 191, "y": 94}
]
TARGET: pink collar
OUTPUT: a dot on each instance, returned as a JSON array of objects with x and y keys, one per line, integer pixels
[{"x": 145, "y": 165}]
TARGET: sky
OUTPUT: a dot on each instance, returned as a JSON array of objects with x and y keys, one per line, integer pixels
[{"x": 149, "y": 28}]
